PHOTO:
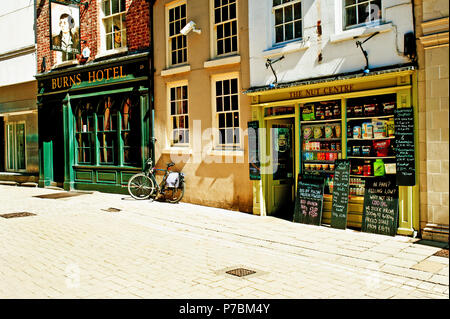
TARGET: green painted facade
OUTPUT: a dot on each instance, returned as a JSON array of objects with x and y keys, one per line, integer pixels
[{"x": 59, "y": 160}]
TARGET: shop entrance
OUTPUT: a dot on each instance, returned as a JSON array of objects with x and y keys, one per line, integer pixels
[
  {"x": 281, "y": 177},
  {"x": 51, "y": 132}
]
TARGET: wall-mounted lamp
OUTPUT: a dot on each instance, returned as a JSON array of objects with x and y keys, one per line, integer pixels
[
  {"x": 190, "y": 27},
  {"x": 269, "y": 63},
  {"x": 366, "y": 56}
]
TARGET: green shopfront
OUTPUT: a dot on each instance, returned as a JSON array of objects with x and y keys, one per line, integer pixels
[{"x": 95, "y": 124}]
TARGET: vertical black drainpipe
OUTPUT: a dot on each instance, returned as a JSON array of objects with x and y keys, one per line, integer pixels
[{"x": 151, "y": 80}]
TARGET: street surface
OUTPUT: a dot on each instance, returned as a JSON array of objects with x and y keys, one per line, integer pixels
[{"x": 75, "y": 248}]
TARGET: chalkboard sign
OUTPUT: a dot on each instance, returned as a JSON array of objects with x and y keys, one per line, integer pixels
[
  {"x": 340, "y": 194},
  {"x": 380, "y": 214},
  {"x": 404, "y": 146},
  {"x": 309, "y": 200},
  {"x": 253, "y": 151}
]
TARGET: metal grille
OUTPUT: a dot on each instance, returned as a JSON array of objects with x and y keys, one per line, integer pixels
[
  {"x": 60, "y": 195},
  {"x": 240, "y": 272},
  {"x": 14, "y": 215},
  {"x": 112, "y": 210}
]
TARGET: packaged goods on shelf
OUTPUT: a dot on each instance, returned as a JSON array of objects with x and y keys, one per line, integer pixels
[
  {"x": 381, "y": 148},
  {"x": 370, "y": 109},
  {"x": 318, "y": 133},
  {"x": 390, "y": 168},
  {"x": 307, "y": 133},
  {"x": 389, "y": 108},
  {"x": 357, "y": 133},
  {"x": 367, "y": 130},
  {"x": 378, "y": 167},
  {"x": 379, "y": 129},
  {"x": 320, "y": 112},
  {"x": 308, "y": 113}
]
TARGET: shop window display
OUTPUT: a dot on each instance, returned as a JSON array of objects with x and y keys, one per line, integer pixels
[
  {"x": 321, "y": 139},
  {"x": 107, "y": 127},
  {"x": 370, "y": 139}
]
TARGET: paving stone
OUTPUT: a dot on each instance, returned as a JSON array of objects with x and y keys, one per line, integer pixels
[
  {"x": 400, "y": 262},
  {"x": 157, "y": 250},
  {"x": 429, "y": 266}
]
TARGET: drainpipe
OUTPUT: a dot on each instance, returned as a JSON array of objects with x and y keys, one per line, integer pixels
[{"x": 151, "y": 84}]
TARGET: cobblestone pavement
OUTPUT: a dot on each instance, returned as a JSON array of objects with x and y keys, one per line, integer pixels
[{"x": 75, "y": 248}]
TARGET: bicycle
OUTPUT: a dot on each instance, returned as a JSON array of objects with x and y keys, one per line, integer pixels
[{"x": 144, "y": 185}]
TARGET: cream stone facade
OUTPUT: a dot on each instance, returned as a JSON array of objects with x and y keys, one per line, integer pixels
[
  {"x": 432, "y": 25},
  {"x": 197, "y": 64}
]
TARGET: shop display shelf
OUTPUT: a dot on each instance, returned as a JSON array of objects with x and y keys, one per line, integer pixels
[
  {"x": 370, "y": 139},
  {"x": 318, "y": 161},
  {"x": 370, "y": 157},
  {"x": 320, "y": 171},
  {"x": 323, "y": 139},
  {"x": 362, "y": 176},
  {"x": 320, "y": 121},
  {"x": 322, "y": 151},
  {"x": 369, "y": 117}
]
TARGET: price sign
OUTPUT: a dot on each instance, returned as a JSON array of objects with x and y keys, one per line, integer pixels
[
  {"x": 308, "y": 202},
  {"x": 404, "y": 147},
  {"x": 340, "y": 194}
]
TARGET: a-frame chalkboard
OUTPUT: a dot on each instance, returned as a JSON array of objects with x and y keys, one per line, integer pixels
[
  {"x": 380, "y": 214},
  {"x": 309, "y": 200},
  {"x": 340, "y": 194}
]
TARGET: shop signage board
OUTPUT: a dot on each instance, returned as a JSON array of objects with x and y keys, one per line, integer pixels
[
  {"x": 404, "y": 146},
  {"x": 309, "y": 200},
  {"x": 380, "y": 214},
  {"x": 341, "y": 183},
  {"x": 65, "y": 29},
  {"x": 88, "y": 77},
  {"x": 253, "y": 150}
]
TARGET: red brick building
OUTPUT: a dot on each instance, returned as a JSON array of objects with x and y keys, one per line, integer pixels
[{"x": 94, "y": 92}]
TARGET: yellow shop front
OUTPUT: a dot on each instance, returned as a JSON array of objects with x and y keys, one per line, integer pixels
[{"x": 308, "y": 125}]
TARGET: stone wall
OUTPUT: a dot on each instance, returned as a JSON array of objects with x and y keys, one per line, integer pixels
[{"x": 433, "y": 93}]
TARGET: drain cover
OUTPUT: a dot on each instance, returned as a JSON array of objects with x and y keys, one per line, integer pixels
[
  {"x": 112, "y": 210},
  {"x": 60, "y": 195},
  {"x": 240, "y": 272},
  {"x": 14, "y": 215}
]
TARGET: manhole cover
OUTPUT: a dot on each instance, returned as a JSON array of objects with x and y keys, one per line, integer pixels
[
  {"x": 60, "y": 195},
  {"x": 112, "y": 210},
  {"x": 14, "y": 215},
  {"x": 442, "y": 253},
  {"x": 240, "y": 272}
]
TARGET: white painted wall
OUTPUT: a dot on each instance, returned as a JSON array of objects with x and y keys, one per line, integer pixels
[
  {"x": 339, "y": 51},
  {"x": 17, "y": 35}
]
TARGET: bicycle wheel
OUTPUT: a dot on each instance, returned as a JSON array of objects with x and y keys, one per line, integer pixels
[
  {"x": 174, "y": 195},
  {"x": 140, "y": 186}
]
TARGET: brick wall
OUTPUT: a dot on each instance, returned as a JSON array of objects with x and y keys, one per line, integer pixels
[{"x": 137, "y": 20}]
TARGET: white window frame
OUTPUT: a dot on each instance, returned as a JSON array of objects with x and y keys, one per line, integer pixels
[
  {"x": 292, "y": 3},
  {"x": 103, "y": 51},
  {"x": 169, "y": 62},
  {"x": 170, "y": 143},
  {"x": 215, "y": 115},
  {"x": 360, "y": 24},
  {"x": 213, "y": 28}
]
